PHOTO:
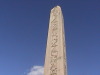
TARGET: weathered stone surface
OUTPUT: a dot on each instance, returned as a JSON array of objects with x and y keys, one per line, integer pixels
[{"x": 55, "y": 59}]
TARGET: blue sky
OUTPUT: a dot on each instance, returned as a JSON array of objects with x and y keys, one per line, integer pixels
[{"x": 23, "y": 35}]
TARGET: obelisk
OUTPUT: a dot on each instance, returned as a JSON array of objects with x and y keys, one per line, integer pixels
[{"x": 55, "y": 59}]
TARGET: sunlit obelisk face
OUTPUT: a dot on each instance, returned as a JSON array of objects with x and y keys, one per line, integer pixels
[{"x": 55, "y": 59}]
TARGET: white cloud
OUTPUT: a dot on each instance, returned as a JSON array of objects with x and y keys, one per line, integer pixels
[{"x": 36, "y": 70}]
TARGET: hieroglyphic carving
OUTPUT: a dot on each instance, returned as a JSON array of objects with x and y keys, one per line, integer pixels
[{"x": 54, "y": 44}]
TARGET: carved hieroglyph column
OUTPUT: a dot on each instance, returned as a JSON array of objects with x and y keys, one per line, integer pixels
[{"x": 55, "y": 59}]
